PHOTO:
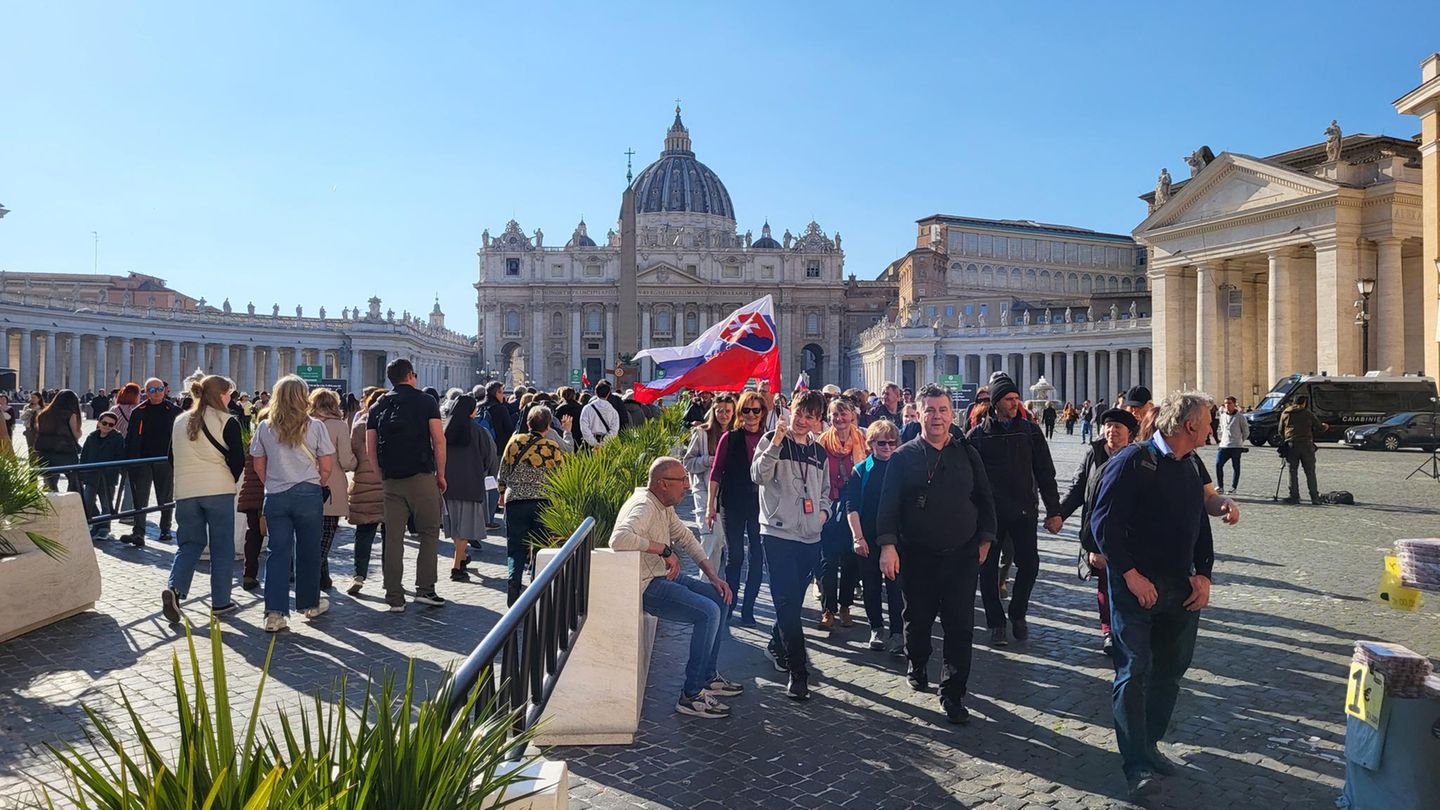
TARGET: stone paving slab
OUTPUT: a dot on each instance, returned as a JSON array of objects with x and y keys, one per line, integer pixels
[{"x": 1259, "y": 721}]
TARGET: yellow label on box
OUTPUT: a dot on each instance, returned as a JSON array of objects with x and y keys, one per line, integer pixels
[{"x": 1365, "y": 694}]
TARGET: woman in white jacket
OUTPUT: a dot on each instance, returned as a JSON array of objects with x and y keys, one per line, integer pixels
[{"x": 699, "y": 458}]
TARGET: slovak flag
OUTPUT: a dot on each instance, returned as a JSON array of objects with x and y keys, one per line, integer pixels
[
  {"x": 802, "y": 383},
  {"x": 741, "y": 346},
  {"x": 585, "y": 379}
]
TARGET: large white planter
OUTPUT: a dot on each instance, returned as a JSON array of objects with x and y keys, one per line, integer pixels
[
  {"x": 598, "y": 698},
  {"x": 36, "y": 590}
]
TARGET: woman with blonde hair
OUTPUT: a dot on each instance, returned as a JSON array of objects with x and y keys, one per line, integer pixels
[
  {"x": 699, "y": 458},
  {"x": 735, "y": 500},
  {"x": 209, "y": 456},
  {"x": 844, "y": 448},
  {"x": 325, "y": 406},
  {"x": 293, "y": 456}
]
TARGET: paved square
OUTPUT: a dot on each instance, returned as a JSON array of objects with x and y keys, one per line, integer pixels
[{"x": 1259, "y": 721}]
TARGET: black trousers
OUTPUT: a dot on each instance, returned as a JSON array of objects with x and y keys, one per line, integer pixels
[
  {"x": 1020, "y": 532},
  {"x": 941, "y": 585},
  {"x": 162, "y": 475},
  {"x": 1302, "y": 454}
]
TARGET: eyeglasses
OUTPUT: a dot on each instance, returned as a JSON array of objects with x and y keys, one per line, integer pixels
[
  {"x": 885, "y": 443},
  {"x": 752, "y": 410},
  {"x": 153, "y": 390}
]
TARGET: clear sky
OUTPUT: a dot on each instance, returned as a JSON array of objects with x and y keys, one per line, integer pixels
[{"x": 318, "y": 153}]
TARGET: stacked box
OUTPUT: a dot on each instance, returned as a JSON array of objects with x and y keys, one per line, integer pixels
[
  {"x": 1404, "y": 671},
  {"x": 1419, "y": 563}
]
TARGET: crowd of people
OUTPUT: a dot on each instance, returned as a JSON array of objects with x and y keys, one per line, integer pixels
[{"x": 894, "y": 499}]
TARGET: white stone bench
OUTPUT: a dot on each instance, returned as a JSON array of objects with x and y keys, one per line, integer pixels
[{"x": 36, "y": 590}]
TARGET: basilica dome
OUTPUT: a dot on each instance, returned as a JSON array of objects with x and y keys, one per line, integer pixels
[{"x": 678, "y": 182}]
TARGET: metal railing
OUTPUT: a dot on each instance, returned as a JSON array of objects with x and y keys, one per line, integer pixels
[
  {"x": 519, "y": 661},
  {"x": 121, "y": 486}
]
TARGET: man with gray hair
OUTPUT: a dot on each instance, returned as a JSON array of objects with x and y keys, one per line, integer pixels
[
  {"x": 1150, "y": 522},
  {"x": 647, "y": 523}
]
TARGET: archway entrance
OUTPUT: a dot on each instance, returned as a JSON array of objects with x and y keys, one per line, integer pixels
[
  {"x": 512, "y": 365},
  {"x": 812, "y": 362}
]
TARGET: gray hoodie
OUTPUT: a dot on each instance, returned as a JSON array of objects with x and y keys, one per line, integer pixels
[{"x": 788, "y": 474}]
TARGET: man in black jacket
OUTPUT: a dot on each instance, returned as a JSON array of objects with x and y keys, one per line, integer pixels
[
  {"x": 1017, "y": 459},
  {"x": 499, "y": 410},
  {"x": 149, "y": 437},
  {"x": 936, "y": 518}
]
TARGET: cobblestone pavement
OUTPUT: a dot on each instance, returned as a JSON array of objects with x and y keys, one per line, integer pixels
[{"x": 1259, "y": 721}]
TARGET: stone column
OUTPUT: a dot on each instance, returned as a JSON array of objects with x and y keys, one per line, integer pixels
[
  {"x": 72, "y": 379},
  {"x": 247, "y": 368},
  {"x": 577, "y": 354},
  {"x": 1072, "y": 390},
  {"x": 1167, "y": 327},
  {"x": 174, "y": 367},
  {"x": 52, "y": 376},
  {"x": 29, "y": 379},
  {"x": 1135, "y": 368},
  {"x": 127, "y": 355},
  {"x": 1207, "y": 330},
  {"x": 1337, "y": 339},
  {"x": 102, "y": 360},
  {"x": 5, "y": 349},
  {"x": 224, "y": 364},
  {"x": 357, "y": 376},
  {"x": 1387, "y": 309},
  {"x": 272, "y": 366},
  {"x": 1090, "y": 372},
  {"x": 1280, "y": 299},
  {"x": 490, "y": 350},
  {"x": 1025, "y": 377}
]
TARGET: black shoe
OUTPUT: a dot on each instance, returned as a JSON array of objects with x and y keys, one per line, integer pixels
[
  {"x": 459, "y": 575},
  {"x": 492, "y": 526},
  {"x": 249, "y": 583},
  {"x": 798, "y": 688},
  {"x": 1143, "y": 785},
  {"x": 136, "y": 540},
  {"x": 1020, "y": 629},
  {"x": 997, "y": 637},
  {"x": 1316, "y": 502},
  {"x": 1164, "y": 765},
  {"x": 429, "y": 598},
  {"x": 917, "y": 678},
  {"x": 1293, "y": 499},
  {"x": 475, "y": 544},
  {"x": 782, "y": 664},
  {"x": 955, "y": 711},
  {"x": 170, "y": 605},
  {"x": 224, "y": 610},
  {"x": 747, "y": 620},
  {"x": 166, "y": 538}
]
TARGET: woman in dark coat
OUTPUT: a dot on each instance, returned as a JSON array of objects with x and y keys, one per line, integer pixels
[{"x": 469, "y": 457}]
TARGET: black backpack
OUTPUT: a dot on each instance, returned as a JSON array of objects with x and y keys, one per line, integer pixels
[{"x": 1339, "y": 497}]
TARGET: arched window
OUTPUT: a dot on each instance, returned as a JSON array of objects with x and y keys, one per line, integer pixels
[
  {"x": 1058, "y": 282},
  {"x": 1086, "y": 285},
  {"x": 557, "y": 323},
  {"x": 662, "y": 321},
  {"x": 987, "y": 277},
  {"x": 593, "y": 318},
  {"x": 972, "y": 276},
  {"x": 1030, "y": 279},
  {"x": 512, "y": 322},
  {"x": 1074, "y": 285},
  {"x": 1017, "y": 278},
  {"x": 1140, "y": 284},
  {"x": 692, "y": 323},
  {"x": 1125, "y": 285}
]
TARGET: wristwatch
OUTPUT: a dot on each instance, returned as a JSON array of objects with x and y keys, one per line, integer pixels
[{"x": 667, "y": 552}]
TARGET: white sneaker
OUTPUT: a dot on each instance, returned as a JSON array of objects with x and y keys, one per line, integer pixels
[
  {"x": 877, "y": 640},
  {"x": 724, "y": 687},
  {"x": 275, "y": 622},
  {"x": 318, "y": 610},
  {"x": 702, "y": 705}
]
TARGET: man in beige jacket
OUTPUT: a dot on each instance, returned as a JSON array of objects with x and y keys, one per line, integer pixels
[{"x": 647, "y": 523}]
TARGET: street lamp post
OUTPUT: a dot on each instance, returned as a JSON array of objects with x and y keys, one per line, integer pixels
[{"x": 1366, "y": 288}]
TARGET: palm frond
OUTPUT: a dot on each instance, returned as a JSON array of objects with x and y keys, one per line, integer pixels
[{"x": 23, "y": 500}]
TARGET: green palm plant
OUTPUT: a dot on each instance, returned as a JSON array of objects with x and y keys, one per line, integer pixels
[
  {"x": 396, "y": 753},
  {"x": 23, "y": 500},
  {"x": 596, "y": 484}
]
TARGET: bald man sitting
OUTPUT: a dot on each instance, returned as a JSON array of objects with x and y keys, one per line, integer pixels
[{"x": 647, "y": 523}]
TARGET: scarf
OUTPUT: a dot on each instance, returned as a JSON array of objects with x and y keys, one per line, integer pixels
[{"x": 854, "y": 448}]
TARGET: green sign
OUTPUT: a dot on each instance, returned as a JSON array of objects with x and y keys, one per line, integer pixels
[
  {"x": 951, "y": 381},
  {"x": 310, "y": 374},
  {"x": 659, "y": 373},
  {"x": 574, "y": 376}
]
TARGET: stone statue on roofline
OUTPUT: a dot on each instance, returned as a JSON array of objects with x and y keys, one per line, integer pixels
[
  {"x": 1199, "y": 159},
  {"x": 1162, "y": 188},
  {"x": 485, "y": 238},
  {"x": 1332, "y": 141},
  {"x": 250, "y": 308},
  {"x": 1134, "y": 311},
  {"x": 1114, "y": 313}
]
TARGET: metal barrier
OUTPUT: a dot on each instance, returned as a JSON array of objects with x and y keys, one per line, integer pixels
[
  {"x": 121, "y": 487},
  {"x": 531, "y": 642}
]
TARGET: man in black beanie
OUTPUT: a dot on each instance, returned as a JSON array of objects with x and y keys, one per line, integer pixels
[{"x": 1017, "y": 461}]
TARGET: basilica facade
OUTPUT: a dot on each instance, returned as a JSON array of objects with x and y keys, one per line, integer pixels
[{"x": 550, "y": 313}]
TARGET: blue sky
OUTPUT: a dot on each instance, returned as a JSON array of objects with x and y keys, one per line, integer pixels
[{"x": 319, "y": 153}]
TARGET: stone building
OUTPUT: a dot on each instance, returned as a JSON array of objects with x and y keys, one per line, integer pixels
[
  {"x": 1254, "y": 263},
  {"x": 980, "y": 295},
  {"x": 88, "y": 332},
  {"x": 547, "y": 311},
  {"x": 1424, "y": 102}
]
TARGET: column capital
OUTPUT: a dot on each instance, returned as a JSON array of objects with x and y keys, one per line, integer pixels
[
  {"x": 1286, "y": 252},
  {"x": 1387, "y": 241}
]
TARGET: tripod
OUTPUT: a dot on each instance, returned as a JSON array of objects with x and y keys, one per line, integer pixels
[
  {"x": 1434, "y": 462},
  {"x": 1284, "y": 467}
]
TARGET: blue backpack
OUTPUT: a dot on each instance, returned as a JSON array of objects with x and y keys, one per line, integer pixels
[{"x": 482, "y": 418}]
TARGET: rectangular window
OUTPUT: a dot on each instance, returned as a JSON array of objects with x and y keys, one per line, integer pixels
[
  {"x": 512, "y": 267},
  {"x": 812, "y": 270},
  {"x": 1072, "y": 254},
  {"x": 957, "y": 242},
  {"x": 731, "y": 271},
  {"x": 1015, "y": 245},
  {"x": 767, "y": 271},
  {"x": 1042, "y": 253},
  {"x": 1001, "y": 245},
  {"x": 592, "y": 270},
  {"x": 557, "y": 271},
  {"x": 985, "y": 244},
  {"x": 949, "y": 310},
  {"x": 1029, "y": 250},
  {"x": 969, "y": 310},
  {"x": 691, "y": 269},
  {"x": 931, "y": 313},
  {"x": 1084, "y": 254},
  {"x": 972, "y": 244}
]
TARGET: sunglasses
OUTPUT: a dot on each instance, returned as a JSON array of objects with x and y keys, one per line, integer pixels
[
  {"x": 885, "y": 443},
  {"x": 752, "y": 410},
  {"x": 106, "y": 423},
  {"x": 154, "y": 390}
]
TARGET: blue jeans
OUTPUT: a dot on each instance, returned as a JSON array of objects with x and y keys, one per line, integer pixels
[
  {"x": 698, "y": 604},
  {"x": 294, "y": 518},
  {"x": 1085, "y": 430},
  {"x": 792, "y": 566},
  {"x": 208, "y": 519},
  {"x": 1152, "y": 651},
  {"x": 1232, "y": 455},
  {"x": 839, "y": 565},
  {"x": 738, "y": 526}
]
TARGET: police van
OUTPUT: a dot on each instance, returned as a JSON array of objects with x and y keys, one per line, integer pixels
[{"x": 1340, "y": 402}]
